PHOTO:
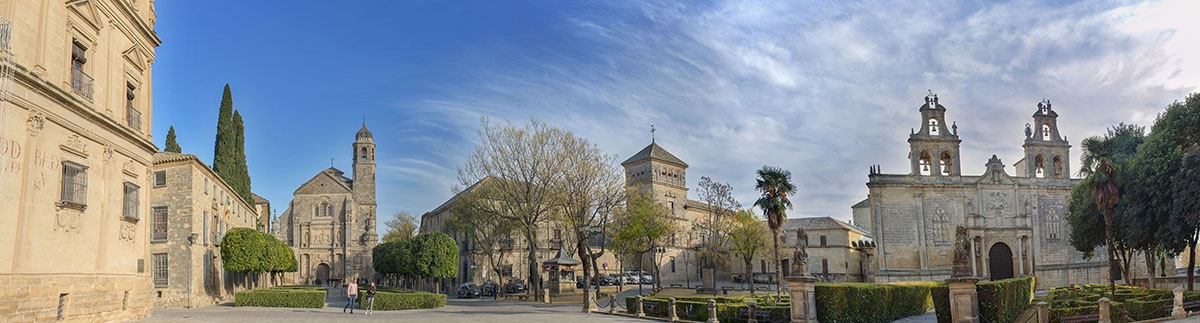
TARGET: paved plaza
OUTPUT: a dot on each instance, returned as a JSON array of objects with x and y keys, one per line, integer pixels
[{"x": 456, "y": 310}]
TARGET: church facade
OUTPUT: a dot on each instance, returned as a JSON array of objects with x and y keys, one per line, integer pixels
[
  {"x": 330, "y": 222},
  {"x": 1017, "y": 222}
]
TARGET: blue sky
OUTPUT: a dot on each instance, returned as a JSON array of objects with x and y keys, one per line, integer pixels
[{"x": 824, "y": 89}]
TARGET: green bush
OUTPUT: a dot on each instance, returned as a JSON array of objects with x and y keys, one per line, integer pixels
[
  {"x": 282, "y": 296},
  {"x": 398, "y": 299},
  {"x": 941, "y": 302},
  {"x": 1003, "y": 300},
  {"x": 729, "y": 309},
  {"x": 1130, "y": 303},
  {"x": 860, "y": 302}
]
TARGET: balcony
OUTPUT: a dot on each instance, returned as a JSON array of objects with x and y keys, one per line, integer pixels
[
  {"x": 133, "y": 118},
  {"x": 82, "y": 83}
]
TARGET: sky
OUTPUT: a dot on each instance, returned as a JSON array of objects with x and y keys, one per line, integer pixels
[{"x": 823, "y": 89}]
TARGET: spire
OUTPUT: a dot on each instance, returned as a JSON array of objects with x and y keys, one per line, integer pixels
[{"x": 651, "y": 133}]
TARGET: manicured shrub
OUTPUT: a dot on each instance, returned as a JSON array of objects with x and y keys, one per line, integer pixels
[
  {"x": 860, "y": 302},
  {"x": 1003, "y": 300},
  {"x": 283, "y": 296},
  {"x": 397, "y": 299},
  {"x": 941, "y": 302},
  {"x": 729, "y": 309}
]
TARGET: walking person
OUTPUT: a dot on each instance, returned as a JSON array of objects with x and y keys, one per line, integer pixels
[
  {"x": 370, "y": 298},
  {"x": 351, "y": 293}
]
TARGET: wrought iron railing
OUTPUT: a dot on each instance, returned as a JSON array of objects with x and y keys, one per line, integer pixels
[
  {"x": 133, "y": 118},
  {"x": 82, "y": 83}
]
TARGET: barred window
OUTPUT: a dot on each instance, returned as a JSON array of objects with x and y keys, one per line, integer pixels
[
  {"x": 160, "y": 178},
  {"x": 131, "y": 201},
  {"x": 205, "y": 232},
  {"x": 160, "y": 223},
  {"x": 206, "y": 185},
  {"x": 74, "y": 184},
  {"x": 159, "y": 263}
]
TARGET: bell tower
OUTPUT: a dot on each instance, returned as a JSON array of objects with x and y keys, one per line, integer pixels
[
  {"x": 933, "y": 149},
  {"x": 1047, "y": 152},
  {"x": 364, "y": 189},
  {"x": 657, "y": 171}
]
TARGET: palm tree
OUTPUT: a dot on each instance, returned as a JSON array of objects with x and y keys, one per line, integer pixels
[
  {"x": 775, "y": 184},
  {"x": 1103, "y": 160}
]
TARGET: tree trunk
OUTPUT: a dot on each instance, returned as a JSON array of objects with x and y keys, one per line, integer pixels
[
  {"x": 1108, "y": 231},
  {"x": 535, "y": 286},
  {"x": 1149, "y": 269},
  {"x": 587, "y": 269},
  {"x": 778, "y": 266},
  {"x": 750, "y": 274},
  {"x": 640, "y": 256},
  {"x": 1191, "y": 274}
]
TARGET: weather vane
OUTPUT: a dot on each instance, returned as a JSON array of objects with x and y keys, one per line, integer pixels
[{"x": 651, "y": 133}]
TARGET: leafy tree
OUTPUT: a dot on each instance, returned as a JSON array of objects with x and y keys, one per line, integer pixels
[
  {"x": 1094, "y": 203},
  {"x": 436, "y": 255},
  {"x": 1187, "y": 199},
  {"x": 402, "y": 226},
  {"x": 775, "y": 184},
  {"x": 1160, "y": 159},
  {"x": 644, "y": 227},
  {"x": 242, "y": 250},
  {"x": 224, "y": 147},
  {"x": 243, "y": 173},
  {"x": 171, "y": 145},
  {"x": 748, "y": 239}
]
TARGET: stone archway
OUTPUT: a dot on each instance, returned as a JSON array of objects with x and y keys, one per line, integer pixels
[
  {"x": 1000, "y": 261},
  {"x": 323, "y": 273}
]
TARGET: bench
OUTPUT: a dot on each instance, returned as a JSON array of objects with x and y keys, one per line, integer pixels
[
  {"x": 763, "y": 288},
  {"x": 676, "y": 285},
  {"x": 1081, "y": 318},
  {"x": 1187, "y": 306}
]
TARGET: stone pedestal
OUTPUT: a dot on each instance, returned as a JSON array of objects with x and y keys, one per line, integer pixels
[
  {"x": 803, "y": 291},
  {"x": 1105, "y": 314},
  {"x": 1177, "y": 311},
  {"x": 1043, "y": 312},
  {"x": 709, "y": 281},
  {"x": 964, "y": 303}
]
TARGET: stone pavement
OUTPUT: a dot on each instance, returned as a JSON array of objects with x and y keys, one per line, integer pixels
[{"x": 456, "y": 310}]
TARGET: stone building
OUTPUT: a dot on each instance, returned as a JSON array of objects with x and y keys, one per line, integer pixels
[
  {"x": 262, "y": 207},
  {"x": 838, "y": 252},
  {"x": 191, "y": 209},
  {"x": 330, "y": 223},
  {"x": 75, "y": 156},
  {"x": 1017, "y": 222}
]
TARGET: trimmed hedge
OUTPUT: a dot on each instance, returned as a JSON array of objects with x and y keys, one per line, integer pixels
[
  {"x": 392, "y": 299},
  {"x": 1003, "y": 300},
  {"x": 861, "y": 302},
  {"x": 282, "y": 296},
  {"x": 941, "y": 302},
  {"x": 695, "y": 308},
  {"x": 1129, "y": 303}
]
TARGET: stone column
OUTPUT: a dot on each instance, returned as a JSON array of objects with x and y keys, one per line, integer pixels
[
  {"x": 752, "y": 309},
  {"x": 1020, "y": 260},
  {"x": 671, "y": 316},
  {"x": 1043, "y": 312},
  {"x": 1105, "y": 316},
  {"x": 637, "y": 303},
  {"x": 612, "y": 304},
  {"x": 964, "y": 303},
  {"x": 802, "y": 290},
  {"x": 1178, "y": 312},
  {"x": 712, "y": 311}
]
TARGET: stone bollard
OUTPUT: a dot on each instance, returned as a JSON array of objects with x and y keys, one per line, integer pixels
[
  {"x": 638, "y": 303},
  {"x": 752, "y": 311},
  {"x": 1105, "y": 316},
  {"x": 546, "y": 295},
  {"x": 1043, "y": 312},
  {"x": 712, "y": 311},
  {"x": 612, "y": 304},
  {"x": 1177, "y": 312},
  {"x": 671, "y": 315}
]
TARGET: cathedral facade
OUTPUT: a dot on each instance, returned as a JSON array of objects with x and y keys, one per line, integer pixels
[
  {"x": 330, "y": 223},
  {"x": 1017, "y": 222}
]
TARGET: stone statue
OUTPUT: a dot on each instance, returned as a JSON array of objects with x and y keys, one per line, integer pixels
[
  {"x": 800, "y": 256},
  {"x": 1028, "y": 131},
  {"x": 955, "y": 127},
  {"x": 962, "y": 257}
]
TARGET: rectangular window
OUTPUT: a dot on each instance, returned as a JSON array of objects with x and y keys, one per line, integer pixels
[
  {"x": 74, "y": 184},
  {"x": 130, "y": 204},
  {"x": 762, "y": 265},
  {"x": 822, "y": 241},
  {"x": 671, "y": 205},
  {"x": 160, "y": 223},
  {"x": 205, "y": 232},
  {"x": 672, "y": 264},
  {"x": 206, "y": 185},
  {"x": 824, "y": 266},
  {"x": 159, "y": 263},
  {"x": 80, "y": 81},
  {"x": 160, "y": 178}
]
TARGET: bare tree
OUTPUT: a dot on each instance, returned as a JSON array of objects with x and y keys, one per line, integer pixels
[
  {"x": 590, "y": 188},
  {"x": 716, "y": 227},
  {"x": 524, "y": 163},
  {"x": 401, "y": 226},
  {"x": 488, "y": 234}
]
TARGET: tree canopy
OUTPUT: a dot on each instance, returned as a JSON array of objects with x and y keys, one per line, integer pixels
[
  {"x": 402, "y": 226},
  {"x": 250, "y": 250},
  {"x": 229, "y": 149},
  {"x": 172, "y": 145}
]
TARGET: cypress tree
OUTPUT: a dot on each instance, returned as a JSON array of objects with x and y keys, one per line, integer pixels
[
  {"x": 223, "y": 151},
  {"x": 242, "y": 173},
  {"x": 171, "y": 145}
]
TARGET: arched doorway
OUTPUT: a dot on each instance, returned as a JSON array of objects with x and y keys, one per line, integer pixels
[
  {"x": 323, "y": 273},
  {"x": 1000, "y": 261}
]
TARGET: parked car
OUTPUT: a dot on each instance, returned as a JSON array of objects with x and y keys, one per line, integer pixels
[
  {"x": 514, "y": 286},
  {"x": 489, "y": 288},
  {"x": 468, "y": 290},
  {"x": 630, "y": 279},
  {"x": 646, "y": 278},
  {"x": 607, "y": 280}
]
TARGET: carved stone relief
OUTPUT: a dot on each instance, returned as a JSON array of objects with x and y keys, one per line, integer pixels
[
  {"x": 75, "y": 145},
  {"x": 36, "y": 122},
  {"x": 67, "y": 220},
  {"x": 128, "y": 231},
  {"x": 997, "y": 203}
]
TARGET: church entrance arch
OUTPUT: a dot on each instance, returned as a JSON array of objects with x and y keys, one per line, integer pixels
[
  {"x": 1000, "y": 261},
  {"x": 323, "y": 273}
]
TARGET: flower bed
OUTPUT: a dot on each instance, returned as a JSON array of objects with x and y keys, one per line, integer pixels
[{"x": 282, "y": 296}]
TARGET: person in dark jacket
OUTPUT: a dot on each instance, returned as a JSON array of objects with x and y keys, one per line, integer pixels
[{"x": 370, "y": 298}]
